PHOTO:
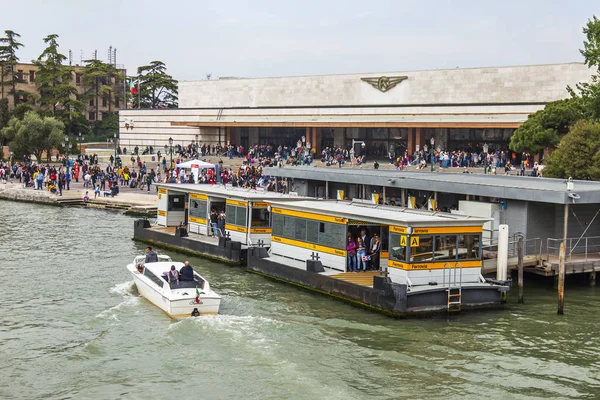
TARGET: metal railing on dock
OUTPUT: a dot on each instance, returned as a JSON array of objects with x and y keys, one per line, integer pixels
[
  {"x": 531, "y": 247},
  {"x": 580, "y": 248}
]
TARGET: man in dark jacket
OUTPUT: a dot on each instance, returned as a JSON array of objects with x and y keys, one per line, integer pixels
[
  {"x": 151, "y": 255},
  {"x": 186, "y": 273}
]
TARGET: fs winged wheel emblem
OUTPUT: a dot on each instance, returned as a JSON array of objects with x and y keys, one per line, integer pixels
[{"x": 384, "y": 83}]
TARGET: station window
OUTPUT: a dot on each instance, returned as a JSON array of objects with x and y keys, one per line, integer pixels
[
  {"x": 397, "y": 252},
  {"x": 445, "y": 248},
  {"x": 305, "y": 230},
  {"x": 176, "y": 203},
  {"x": 260, "y": 218},
  {"x": 300, "y": 230},
  {"x": 469, "y": 247},
  {"x": 277, "y": 224},
  {"x": 235, "y": 215},
  {"x": 424, "y": 251},
  {"x": 197, "y": 208},
  {"x": 312, "y": 231}
]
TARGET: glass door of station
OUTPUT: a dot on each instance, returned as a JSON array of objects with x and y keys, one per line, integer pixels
[{"x": 379, "y": 141}]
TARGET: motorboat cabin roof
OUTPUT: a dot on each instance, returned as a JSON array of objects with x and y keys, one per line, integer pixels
[
  {"x": 381, "y": 214},
  {"x": 227, "y": 191}
]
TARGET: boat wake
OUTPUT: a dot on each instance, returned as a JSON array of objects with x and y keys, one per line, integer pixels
[
  {"x": 130, "y": 297},
  {"x": 236, "y": 327},
  {"x": 125, "y": 289},
  {"x": 112, "y": 312}
]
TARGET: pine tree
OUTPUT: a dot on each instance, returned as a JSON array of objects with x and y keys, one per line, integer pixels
[
  {"x": 55, "y": 83},
  {"x": 100, "y": 80},
  {"x": 8, "y": 60},
  {"x": 157, "y": 88}
]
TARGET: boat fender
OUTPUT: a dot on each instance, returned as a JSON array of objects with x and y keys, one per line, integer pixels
[{"x": 195, "y": 313}]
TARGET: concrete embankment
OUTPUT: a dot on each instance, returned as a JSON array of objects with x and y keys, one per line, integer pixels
[{"x": 130, "y": 203}]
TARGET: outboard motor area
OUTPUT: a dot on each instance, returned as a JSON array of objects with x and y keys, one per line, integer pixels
[{"x": 195, "y": 313}]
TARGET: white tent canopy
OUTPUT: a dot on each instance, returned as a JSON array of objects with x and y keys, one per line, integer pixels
[{"x": 195, "y": 164}]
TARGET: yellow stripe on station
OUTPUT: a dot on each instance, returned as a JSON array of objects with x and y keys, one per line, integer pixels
[
  {"x": 310, "y": 246},
  {"x": 260, "y": 204},
  {"x": 435, "y": 230},
  {"x": 398, "y": 229},
  {"x": 236, "y": 228},
  {"x": 306, "y": 215},
  {"x": 162, "y": 190},
  {"x": 162, "y": 213},
  {"x": 237, "y": 203},
  {"x": 447, "y": 229},
  {"x": 260, "y": 230},
  {"x": 198, "y": 196},
  {"x": 197, "y": 220},
  {"x": 417, "y": 266}
]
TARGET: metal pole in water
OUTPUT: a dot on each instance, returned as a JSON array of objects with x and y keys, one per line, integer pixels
[
  {"x": 502, "y": 266},
  {"x": 502, "y": 260},
  {"x": 520, "y": 266},
  {"x": 561, "y": 279}
]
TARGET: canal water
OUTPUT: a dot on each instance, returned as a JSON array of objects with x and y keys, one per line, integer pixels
[{"x": 73, "y": 326}]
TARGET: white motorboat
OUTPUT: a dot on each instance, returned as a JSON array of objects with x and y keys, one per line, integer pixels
[{"x": 179, "y": 299}]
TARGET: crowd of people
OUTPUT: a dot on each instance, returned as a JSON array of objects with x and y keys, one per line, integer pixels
[
  {"x": 363, "y": 251},
  {"x": 249, "y": 175}
]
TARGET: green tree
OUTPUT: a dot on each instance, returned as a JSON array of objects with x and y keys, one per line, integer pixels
[
  {"x": 578, "y": 154},
  {"x": 55, "y": 84},
  {"x": 4, "y": 113},
  {"x": 588, "y": 93},
  {"x": 106, "y": 127},
  {"x": 157, "y": 88},
  {"x": 8, "y": 60},
  {"x": 102, "y": 81},
  {"x": 545, "y": 127},
  {"x": 33, "y": 135}
]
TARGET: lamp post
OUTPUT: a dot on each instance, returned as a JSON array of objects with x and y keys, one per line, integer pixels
[
  {"x": 67, "y": 146},
  {"x": 197, "y": 136},
  {"x": 169, "y": 148},
  {"x": 485, "y": 154},
  {"x": 80, "y": 139},
  {"x": 115, "y": 141},
  {"x": 431, "y": 152}
]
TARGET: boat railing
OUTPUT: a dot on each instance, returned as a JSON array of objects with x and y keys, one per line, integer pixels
[{"x": 451, "y": 271}]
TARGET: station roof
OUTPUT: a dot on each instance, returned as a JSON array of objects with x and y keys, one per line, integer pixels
[
  {"x": 381, "y": 214},
  {"x": 544, "y": 190},
  {"x": 229, "y": 192}
]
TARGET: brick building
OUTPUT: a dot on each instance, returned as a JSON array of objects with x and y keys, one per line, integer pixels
[{"x": 94, "y": 108}]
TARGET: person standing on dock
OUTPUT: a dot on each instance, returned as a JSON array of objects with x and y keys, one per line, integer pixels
[
  {"x": 361, "y": 254},
  {"x": 351, "y": 251},
  {"x": 213, "y": 222}
]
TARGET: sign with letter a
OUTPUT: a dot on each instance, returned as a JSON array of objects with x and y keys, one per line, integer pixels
[
  {"x": 414, "y": 241},
  {"x": 402, "y": 241}
]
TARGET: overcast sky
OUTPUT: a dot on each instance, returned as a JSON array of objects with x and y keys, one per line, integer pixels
[{"x": 288, "y": 37}]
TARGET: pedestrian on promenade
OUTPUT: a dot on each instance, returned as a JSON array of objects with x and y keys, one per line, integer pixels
[{"x": 61, "y": 183}]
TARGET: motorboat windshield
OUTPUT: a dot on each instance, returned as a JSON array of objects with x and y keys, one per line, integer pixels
[{"x": 140, "y": 260}]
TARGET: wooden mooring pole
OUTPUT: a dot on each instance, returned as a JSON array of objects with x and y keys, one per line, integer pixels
[
  {"x": 561, "y": 279},
  {"x": 520, "y": 266}
]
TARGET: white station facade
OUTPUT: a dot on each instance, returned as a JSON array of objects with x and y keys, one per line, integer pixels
[{"x": 391, "y": 111}]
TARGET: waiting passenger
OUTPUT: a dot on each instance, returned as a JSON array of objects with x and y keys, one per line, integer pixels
[
  {"x": 361, "y": 254},
  {"x": 351, "y": 251},
  {"x": 374, "y": 252},
  {"x": 186, "y": 273}
]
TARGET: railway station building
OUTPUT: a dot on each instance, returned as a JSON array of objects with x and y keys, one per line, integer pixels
[{"x": 451, "y": 109}]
